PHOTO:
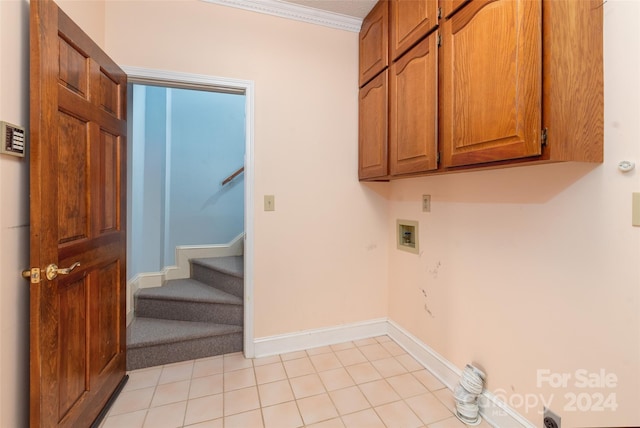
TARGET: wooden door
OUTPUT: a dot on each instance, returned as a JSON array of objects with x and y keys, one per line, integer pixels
[
  {"x": 410, "y": 21},
  {"x": 491, "y": 82},
  {"x": 78, "y": 147},
  {"x": 374, "y": 43},
  {"x": 372, "y": 129},
  {"x": 413, "y": 100}
]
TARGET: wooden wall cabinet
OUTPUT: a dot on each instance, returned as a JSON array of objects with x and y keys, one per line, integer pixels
[
  {"x": 413, "y": 110},
  {"x": 512, "y": 82},
  {"x": 491, "y": 82},
  {"x": 372, "y": 129},
  {"x": 410, "y": 21},
  {"x": 374, "y": 42}
]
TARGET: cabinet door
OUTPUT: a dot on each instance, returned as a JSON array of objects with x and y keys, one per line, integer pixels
[
  {"x": 491, "y": 82},
  {"x": 372, "y": 127},
  {"x": 410, "y": 21},
  {"x": 450, "y": 6},
  {"x": 413, "y": 110},
  {"x": 374, "y": 42}
]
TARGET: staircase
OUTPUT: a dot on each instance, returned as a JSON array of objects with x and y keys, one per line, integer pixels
[{"x": 190, "y": 318}]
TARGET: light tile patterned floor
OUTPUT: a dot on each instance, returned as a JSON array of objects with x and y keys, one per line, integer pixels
[{"x": 364, "y": 384}]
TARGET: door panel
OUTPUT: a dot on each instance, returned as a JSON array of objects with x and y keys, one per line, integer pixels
[
  {"x": 372, "y": 128},
  {"x": 492, "y": 74},
  {"x": 410, "y": 21},
  {"x": 374, "y": 42},
  {"x": 413, "y": 110},
  {"x": 78, "y": 146}
]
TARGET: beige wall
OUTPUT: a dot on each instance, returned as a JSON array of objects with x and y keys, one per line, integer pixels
[
  {"x": 321, "y": 257},
  {"x": 538, "y": 267}
]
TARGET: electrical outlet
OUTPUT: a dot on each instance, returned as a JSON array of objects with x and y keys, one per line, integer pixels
[
  {"x": 426, "y": 203},
  {"x": 551, "y": 420}
]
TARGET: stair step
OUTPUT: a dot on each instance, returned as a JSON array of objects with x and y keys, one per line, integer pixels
[
  {"x": 223, "y": 273},
  {"x": 189, "y": 300},
  {"x": 232, "y": 265},
  {"x": 152, "y": 342}
]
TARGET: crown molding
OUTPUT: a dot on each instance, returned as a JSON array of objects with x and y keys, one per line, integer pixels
[{"x": 296, "y": 12}]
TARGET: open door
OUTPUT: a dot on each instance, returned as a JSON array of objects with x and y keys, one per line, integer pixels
[{"x": 78, "y": 241}]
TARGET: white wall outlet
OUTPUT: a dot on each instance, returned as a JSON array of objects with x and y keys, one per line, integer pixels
[{"x": 426, "y": 203}]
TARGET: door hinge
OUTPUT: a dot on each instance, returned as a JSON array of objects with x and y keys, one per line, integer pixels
[
  {"x": 437, "y": 158},
  {"x": 33, "y": 275},
  {"x": 543, "y": 137},
  {"x": 439, "y": 40},
  {"x": 439, "y": 12}
]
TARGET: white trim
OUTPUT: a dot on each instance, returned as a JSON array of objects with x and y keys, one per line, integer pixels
[
  {"x": 249, "y": 208},
  {"x": 295, "y": 12},
  {"x": 307, "y": 339},
  {"x": 494, "y": 411},
  {"x": 248, "y": 88},
  {"x": 446, "y": 372},
  {"x": 184, "y": 253}
]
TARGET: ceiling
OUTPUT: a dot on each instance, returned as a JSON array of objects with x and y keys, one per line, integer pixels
[{"x": 354, "y": 8}]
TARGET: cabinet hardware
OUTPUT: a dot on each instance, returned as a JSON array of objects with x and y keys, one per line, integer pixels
[{"x": 543, "y": 137}]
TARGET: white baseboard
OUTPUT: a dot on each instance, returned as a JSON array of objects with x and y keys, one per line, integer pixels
[
  {"x": 307, "y": 339},
  {"x": 186, "y": 252},
  {"x": 446, "y": 372},
  {"x": 182, "y": 269},
  {"x": 493, "y": 410}
]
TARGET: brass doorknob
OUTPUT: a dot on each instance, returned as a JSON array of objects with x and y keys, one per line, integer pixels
[{"x": 52, "y": 270}]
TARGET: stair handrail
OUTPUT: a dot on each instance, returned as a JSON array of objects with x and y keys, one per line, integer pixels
[{"x": 234, "y": 175}]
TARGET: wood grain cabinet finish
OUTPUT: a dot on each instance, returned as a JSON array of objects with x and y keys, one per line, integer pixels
[
  {"x": 410, "y": 21},
  {"x": 374, "y": 43},
  {"x": 491, "y": 82},
  {"x": 451, "y": 6},
  {"x": 413, "y": 130},
  {"x": 519, "y": 82},
  {"x": 372, "y": 127}
]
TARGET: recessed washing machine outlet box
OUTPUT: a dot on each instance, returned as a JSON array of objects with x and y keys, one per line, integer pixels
[{"x": 407, "y": 236}]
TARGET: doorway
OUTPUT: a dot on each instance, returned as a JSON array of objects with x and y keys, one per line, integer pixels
[{"x": 173, "y": 89}]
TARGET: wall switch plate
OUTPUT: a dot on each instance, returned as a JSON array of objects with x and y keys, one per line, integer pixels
[
  {"x": 635, "y": 209},
  {"x": 12, "y": 139},
  {"x": 269, "y": 203},
  {"x": 426, "y": 203}
]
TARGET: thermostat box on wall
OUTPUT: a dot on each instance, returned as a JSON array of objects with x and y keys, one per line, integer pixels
[{"x": 14, "y": 139}]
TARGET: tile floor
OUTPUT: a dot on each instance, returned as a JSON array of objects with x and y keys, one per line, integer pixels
[{"x": 363, "y": 384}]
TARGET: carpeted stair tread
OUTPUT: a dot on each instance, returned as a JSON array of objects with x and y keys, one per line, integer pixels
[
  {"x": 233, "y": 265},
  {"x": 188, "y": 290},
  {"x": 152, "y": 331}
]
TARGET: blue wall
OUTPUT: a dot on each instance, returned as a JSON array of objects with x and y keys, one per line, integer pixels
[{"x": 183, "y": 144}]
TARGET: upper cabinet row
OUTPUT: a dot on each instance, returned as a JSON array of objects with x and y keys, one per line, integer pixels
[{"x": 459, "y": 84}]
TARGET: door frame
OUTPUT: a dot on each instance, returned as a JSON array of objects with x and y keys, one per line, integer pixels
[{"x": 137, "y": 75}]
